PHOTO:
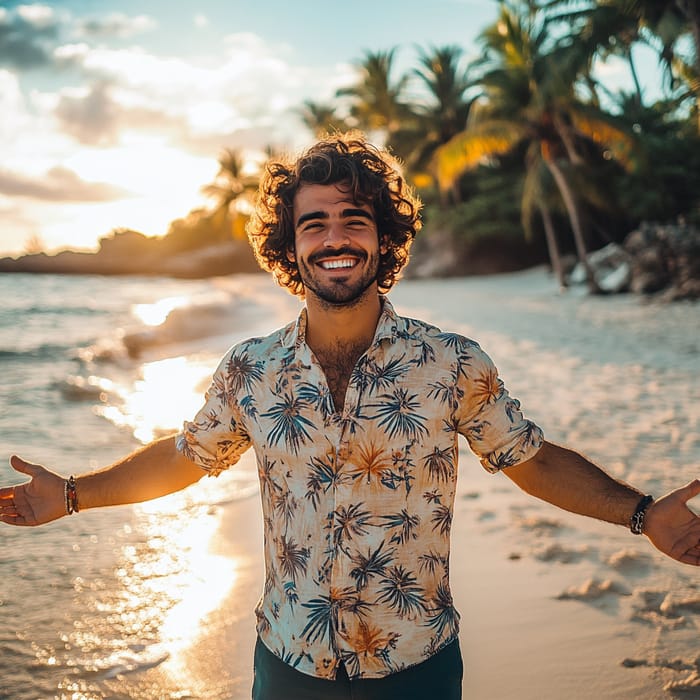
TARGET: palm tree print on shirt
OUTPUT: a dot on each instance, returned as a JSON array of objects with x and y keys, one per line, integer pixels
[{"x": 358, "y": 505}]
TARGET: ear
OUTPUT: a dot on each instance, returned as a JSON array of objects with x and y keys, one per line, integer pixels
[
  {"x": 291, "y": 255},
  {"x": 383, "y": 245}
]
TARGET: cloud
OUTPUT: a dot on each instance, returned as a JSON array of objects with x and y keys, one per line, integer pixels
[
  {"x": 58, "y": 185},
  {"x": 250, "y": 88},
  {"x": 116, "y": 25},
  {"x": 27, "y": 35},
  {"x": 30, "y": 34},
  {"x": 89, "y": 116}
]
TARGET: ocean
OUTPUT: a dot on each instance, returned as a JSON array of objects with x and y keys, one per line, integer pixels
[{"x": 93, "y": 367}]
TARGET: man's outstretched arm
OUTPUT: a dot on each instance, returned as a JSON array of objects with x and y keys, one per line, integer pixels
[
  {"x": 155, "y": 470},
  {"x": 567, "y": 479}
]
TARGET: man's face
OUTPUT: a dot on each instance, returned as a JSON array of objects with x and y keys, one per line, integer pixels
[{"x": 337, "y": 245}]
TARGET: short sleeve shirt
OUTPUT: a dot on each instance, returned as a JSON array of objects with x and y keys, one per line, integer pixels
[{"x": 358, "y": 502}]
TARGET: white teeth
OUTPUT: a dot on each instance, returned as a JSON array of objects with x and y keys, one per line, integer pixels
[{"x": 336, "y": 264}]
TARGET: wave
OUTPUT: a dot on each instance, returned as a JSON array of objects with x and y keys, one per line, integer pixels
[
  {"x": 49, "y": 310},
  {"x": 199, "y": 319},
  {"x": 47, "y": 351},
  {"x": 77, "y": 388},
  {"x": 137, "y": 657}
]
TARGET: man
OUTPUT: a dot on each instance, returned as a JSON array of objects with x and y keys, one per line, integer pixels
[{"x": 354, "y": 414}]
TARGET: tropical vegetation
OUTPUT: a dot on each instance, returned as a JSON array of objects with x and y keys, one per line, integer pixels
[{"x": 525, "y": 146}]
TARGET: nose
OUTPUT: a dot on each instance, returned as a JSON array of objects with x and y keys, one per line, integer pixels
[{"x": 336, "y": 236}]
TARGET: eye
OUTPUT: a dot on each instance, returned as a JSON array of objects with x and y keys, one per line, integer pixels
[{"x": 311, "y": 226}]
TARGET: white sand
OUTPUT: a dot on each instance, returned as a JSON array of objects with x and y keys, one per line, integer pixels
[{"x": 553, "y": 605}]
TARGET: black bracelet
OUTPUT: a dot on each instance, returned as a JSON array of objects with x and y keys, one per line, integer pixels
[{"x": 637, "y": 519}]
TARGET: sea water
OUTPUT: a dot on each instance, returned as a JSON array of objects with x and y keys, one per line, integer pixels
[{"x": 94, "y": 367}]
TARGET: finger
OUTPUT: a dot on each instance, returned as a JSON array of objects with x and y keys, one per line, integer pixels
[
  {"x": 20, "y": 465},
  {"x": 689, "y": 490},
  {"x": 14, "y": 519},
  {"x": 688, "y": 547},
  {"x": 688, "y": 558}
]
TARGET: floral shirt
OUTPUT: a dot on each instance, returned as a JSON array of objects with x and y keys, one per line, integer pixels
[{"x": 357, "y": 502}]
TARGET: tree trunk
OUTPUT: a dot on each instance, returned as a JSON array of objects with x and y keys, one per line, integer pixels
[
  {"x": 574, "y": 217},
  {"x": 635, "y": 77},
  {"x": 552, "y": 246},
  {"x": 691, "y": 11}
]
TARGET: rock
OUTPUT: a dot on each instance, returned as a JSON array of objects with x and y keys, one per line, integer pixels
[
  {"x": 660, "y": 259},
  {"x": 611, "y": 268},
  {"x": 665, "y": 259}
]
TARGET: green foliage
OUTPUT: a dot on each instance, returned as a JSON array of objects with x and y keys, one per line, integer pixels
[
  {"x": 525, "y": 131},
  {"x": 490, "y": 206},
  {"x": 668, "y": 186}
]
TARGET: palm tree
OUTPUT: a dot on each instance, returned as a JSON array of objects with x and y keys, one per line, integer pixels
[
  {"x": 231, "y": 187},
  {"x": 399, "y": 413},
  {"x": 323, "y": 618},
  {"x": 319, "y": 118},
  {"x": 615, "y": 25},
  {"x": 445, "y": 113},
  {"x": 401, "y": 592},
  {"x": 405, "y": 525},
  {"x": 376, "y": 101},
  {"x": 369, "y": 566},
  {"x": 289, "y": 422},
  {"x": 531, "y": 102}
]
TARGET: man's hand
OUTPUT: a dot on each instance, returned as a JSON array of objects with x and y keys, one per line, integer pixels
[
  {"x": 40, "y": 500},
  {"x": 673, "y": 528}
]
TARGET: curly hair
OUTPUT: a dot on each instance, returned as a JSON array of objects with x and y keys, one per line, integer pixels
[{"x": 372, "y": 177}]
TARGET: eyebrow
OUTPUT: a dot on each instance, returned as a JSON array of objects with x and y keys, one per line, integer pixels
[{"x": 344, "y": 214}]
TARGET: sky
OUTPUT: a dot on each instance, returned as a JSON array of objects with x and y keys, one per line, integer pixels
[{"x": 113, "y": 114}]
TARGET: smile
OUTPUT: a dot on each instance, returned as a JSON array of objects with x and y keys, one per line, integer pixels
[{"x": 338, "y": 264}]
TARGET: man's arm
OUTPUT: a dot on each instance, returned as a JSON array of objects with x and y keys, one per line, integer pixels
[
  {"x": 155, "y": 470},
  {"x": 567, "y": 479}
]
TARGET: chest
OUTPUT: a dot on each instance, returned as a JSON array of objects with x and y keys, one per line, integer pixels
[{"x": 337, "y": 364}]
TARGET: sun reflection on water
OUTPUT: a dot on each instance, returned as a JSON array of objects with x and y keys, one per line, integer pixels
[
  {"x": 180, "y": 582},
  {"x": 154, "y": 314},
  {"x": 168, "y": 392}
]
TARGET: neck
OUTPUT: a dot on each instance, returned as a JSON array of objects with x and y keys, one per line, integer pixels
[{"x": 332, "y": 326}]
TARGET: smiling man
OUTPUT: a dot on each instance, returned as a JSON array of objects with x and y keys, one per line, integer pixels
[
  {"x": 354, "y": 413},
  {"x": 336, "y": 247}
]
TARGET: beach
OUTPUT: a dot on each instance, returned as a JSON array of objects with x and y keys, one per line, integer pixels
[{"x": 156, "y": 601}]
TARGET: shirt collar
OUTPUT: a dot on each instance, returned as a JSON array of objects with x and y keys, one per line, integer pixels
[{"x": 387, "y": 327}]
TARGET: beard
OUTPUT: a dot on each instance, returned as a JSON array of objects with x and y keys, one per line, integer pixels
[{"x": 340, "y": 291}]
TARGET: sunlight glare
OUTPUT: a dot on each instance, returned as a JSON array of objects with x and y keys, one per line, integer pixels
[
  {"x": 202, "y": 580},
  {"x": 168, "y": 393},
  {"x": 154, "y": 314}
]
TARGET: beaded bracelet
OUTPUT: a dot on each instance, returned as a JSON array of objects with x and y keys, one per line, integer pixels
[
  {"x": 637, "y": 519},
  {"x": 71, "y": 496}
]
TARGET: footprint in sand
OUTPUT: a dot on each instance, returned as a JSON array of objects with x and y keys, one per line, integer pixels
[
  {"x": 563, "y": 555},
  {"x": 690, "y": 684},
  {"x": 629, "y": 562},
  {"x": 592, "y": 589},
  {"x": 660, "y": 608}
]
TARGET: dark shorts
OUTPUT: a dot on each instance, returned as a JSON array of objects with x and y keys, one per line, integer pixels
[{"x": 440, "y": 676}]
